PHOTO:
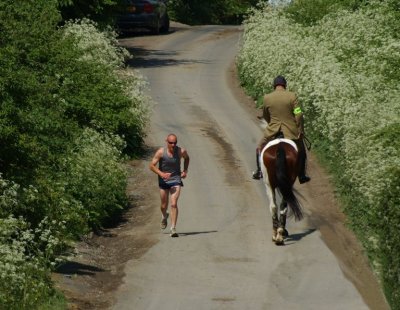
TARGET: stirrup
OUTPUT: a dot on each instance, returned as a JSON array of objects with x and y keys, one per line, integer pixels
[{"x": 304, "y": 179}]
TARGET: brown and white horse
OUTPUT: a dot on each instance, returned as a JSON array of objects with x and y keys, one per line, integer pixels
[{"x": 279, "y": 165}]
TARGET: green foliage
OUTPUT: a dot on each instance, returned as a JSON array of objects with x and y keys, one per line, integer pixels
[
  {"x": 25, "y": 93},
  {"x": 196, "y": 12},
  {"x": 54, "y": 86},
  {"x": 56, "y": 301},
  {"x": 308, "y": 12},
  {"x": 23, "y": 272},
  {"x": 387, "y": 210},
  {"x": 29, "y": 25},
  {"x": 345, "y": 66},
  {"x": 98, "y": 96},
  {"x": 68, "y": 110},
  {"x": 388, "y": 237},
  {"x": 95, "y": 177},
  {"x": 99, "y": 10}
]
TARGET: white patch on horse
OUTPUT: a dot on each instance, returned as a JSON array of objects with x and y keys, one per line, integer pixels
[{"x": 277, "y": 141}]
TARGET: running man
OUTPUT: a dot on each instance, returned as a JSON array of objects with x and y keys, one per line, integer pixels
[{"x": 170, "y": 178}]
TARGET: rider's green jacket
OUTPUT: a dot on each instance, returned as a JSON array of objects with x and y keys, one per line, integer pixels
[{"x": 280, "y": 109}]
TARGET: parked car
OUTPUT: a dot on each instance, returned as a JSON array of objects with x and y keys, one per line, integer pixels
[{"x": 149, "y": 14}]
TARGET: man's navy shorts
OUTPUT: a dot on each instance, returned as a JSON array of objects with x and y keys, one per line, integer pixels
[{"x": 164, "y": 185}]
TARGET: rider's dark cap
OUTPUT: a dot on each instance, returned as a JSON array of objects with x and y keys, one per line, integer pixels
[{"x": 279, "y": 80}]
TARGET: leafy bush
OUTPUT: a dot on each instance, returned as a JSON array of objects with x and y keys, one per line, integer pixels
[
  {"x": 66, "y": 80},
  {"x": 345, "y": 68},
  {"x": 23, "y": 277},
  {"x": 54, "y": 86},
  {"x": 114, "y": 100},
  {"x": 26, "y": 92},
  {"x": 209, "y": 11},
  {"x": 94, "y": 176},
  {"x": 309, "y": 12},
  {"x": 68, "y": 110},
  {"x": 27, "y": 252},
  {"x": 101, "y": 11},
  {"x": 100, "y": 47},
  {"x": 26, "y": 256}
]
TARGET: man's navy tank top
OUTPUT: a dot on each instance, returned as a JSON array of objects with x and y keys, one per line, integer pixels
[{"x": 171, "y": 165}]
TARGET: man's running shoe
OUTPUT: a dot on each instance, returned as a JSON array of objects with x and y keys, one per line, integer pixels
[
  {"x": 164, "y": 222},
  {"x": 174, "y": 234}
]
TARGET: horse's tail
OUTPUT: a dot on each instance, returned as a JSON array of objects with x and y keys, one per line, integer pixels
[{"x": 284, "y": 184}]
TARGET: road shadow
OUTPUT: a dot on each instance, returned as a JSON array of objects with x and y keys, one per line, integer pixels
[
  {"x": 142, "y": 32},
  {"x": 74, "y": 268},
  {"x": 149, "y": 58},
  {"x": 192, "y": 233},
  {"x": 292, "y": 238},
  {"x": 184, "y": 234}
]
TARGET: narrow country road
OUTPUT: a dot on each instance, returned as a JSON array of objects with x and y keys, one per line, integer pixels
[{"x": 224, "y": 257}]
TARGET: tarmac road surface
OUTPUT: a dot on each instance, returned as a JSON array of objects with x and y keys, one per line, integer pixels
[{"x": 224, "y": 257}]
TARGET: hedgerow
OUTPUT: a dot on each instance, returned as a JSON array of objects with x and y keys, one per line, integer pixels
[
  {"x": 209, "y": 11},
  {"x": 114, "y": 100},
  {"x": 95, "y": 177},
  {"x": 345, "y": 67},
  {"x": 27, "y": 254},
  {"x": 69, "y": 114}
]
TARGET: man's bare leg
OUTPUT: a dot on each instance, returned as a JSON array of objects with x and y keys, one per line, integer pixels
[
  {"x": 164, "y": 195},
  {"x": 175, "y": 192}
]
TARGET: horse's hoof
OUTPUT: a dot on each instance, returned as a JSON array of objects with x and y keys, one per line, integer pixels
[
  {"x": 257, "y": 175},
  {"x": 274, "y": 234},
  {"x": 279, "y": 240}
]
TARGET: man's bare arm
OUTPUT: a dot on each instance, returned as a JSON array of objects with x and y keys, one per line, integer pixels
[
  {"x": 186, "y": 160},
  {"x": 153, "y": 164}
]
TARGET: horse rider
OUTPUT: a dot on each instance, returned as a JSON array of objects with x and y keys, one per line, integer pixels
[{"x": 283, "y": 114}]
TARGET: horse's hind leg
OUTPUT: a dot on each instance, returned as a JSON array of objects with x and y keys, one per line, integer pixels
[
  {"x": 274, "y": 211},
  {"x": 282, "y": 217},
  {"x": 281, "y": 232},
  {"x": 275, "y": 226}
]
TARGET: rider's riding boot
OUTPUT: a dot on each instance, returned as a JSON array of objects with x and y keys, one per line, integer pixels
[
  {"x": 257, "y": 175},
  {"x": 303, "y": 178}
]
